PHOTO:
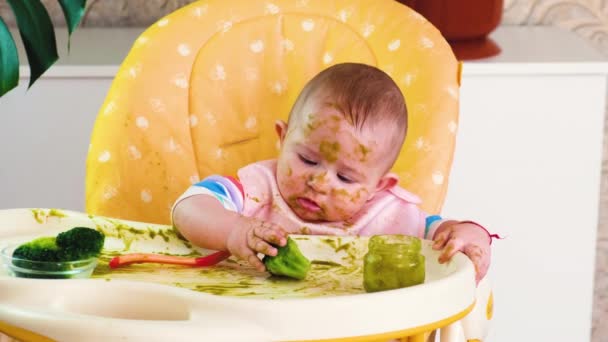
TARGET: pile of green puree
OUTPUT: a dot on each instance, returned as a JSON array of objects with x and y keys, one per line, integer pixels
[{"x": 393, "y": 262}]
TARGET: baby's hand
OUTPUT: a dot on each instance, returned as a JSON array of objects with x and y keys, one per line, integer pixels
[
  {"x": 468, "y": 238},
  {"x": 254, "y": 236}
]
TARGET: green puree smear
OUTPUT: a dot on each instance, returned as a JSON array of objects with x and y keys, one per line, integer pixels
[
  {"x": 329, "y": 151},
  {"x": 40, "y": 215}
]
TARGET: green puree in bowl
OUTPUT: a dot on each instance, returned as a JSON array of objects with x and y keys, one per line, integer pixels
[{"x": 393, "y": 262}]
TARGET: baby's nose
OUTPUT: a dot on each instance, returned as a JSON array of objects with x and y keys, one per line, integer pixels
[{"x": 319, "y": 182}]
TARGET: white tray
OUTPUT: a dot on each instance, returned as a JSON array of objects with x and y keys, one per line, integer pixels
[{"x": 228, "y": 302}]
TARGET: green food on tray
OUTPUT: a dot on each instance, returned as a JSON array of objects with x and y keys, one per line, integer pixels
[
  {"x": 289, "y": 262},
  {"x": 393, "y": 262},
  {"x": 63, "y": 256}
]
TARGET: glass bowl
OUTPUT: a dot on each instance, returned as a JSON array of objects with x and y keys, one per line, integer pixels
[{"x": 45, "y": 269}]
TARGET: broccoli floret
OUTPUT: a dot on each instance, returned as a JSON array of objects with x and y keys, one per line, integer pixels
[
  {"x": 28, "y": 256},
  {"x": 80, "y": 243},
  {"x": 75, "y": 244},
  {"x": 40, "y": 249},
  {"x": 289, "y": 262}
]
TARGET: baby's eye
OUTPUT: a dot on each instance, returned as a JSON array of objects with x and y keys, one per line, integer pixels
[
  {"x": 306, "y": 160},
  {"x": 345, "y": 179}
]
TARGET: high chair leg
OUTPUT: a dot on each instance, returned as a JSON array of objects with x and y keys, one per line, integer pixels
[
  {"x": 417, "y": 338},
  {"x": 6, "y": 338},
  {"x": 476, "y": 324},
  {"x": 452, "y": 333},
  {"x": 422, "y": 337}
]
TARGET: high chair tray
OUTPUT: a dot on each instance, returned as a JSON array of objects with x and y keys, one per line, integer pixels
[{"x": 229, "y": 301}]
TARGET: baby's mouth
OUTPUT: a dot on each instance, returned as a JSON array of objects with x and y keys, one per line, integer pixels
[{"x": 309, "y": 205}]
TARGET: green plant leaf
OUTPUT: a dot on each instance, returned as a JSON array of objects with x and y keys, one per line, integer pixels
[
  {"x": 37, "y": 34},
  {"x": 9, "y": 60},
  {"x": 73, "y": 10}
]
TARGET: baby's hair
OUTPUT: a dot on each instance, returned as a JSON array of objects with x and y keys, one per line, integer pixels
[{"x": 364, "y": 94}]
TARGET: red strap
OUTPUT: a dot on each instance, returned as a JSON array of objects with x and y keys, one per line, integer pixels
[{"x": 491, "y": 236}]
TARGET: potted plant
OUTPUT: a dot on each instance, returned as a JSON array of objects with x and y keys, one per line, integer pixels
[
  {"x": 38, "y": 36},
  {"x": 465, "y": 24}
]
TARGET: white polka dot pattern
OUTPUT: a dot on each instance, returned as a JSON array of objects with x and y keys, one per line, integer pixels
[
  {"x": 105, "y": 156},
  {"x": 146, "y": 196}
]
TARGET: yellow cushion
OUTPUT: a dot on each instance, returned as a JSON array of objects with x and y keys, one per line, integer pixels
[{"x": 200, "y": 90}]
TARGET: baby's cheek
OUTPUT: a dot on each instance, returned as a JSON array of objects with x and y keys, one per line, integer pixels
[
  {"x": 347, "y": 203},
  {"x": 342, "y": 198},
  {"x": 340, "y": 194},
  {"x": 287, "y": 176},
  {"x": 290, "y": 184},
  {"x": 361, "y": 195},
  {"x": 282, "y": 168}
]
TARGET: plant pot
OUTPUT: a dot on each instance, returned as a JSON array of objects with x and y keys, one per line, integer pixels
[{"x": 465, "y": 24}]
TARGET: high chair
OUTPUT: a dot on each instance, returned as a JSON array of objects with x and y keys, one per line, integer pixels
[{"x": 200, "y": 90}]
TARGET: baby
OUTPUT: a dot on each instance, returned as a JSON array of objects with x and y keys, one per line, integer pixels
[{"x": 332, "y": 177}]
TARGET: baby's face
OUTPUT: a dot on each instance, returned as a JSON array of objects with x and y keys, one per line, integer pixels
[{"x": 327, "y": 170}]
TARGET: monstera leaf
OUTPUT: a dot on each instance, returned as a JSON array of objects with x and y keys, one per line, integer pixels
[{"x": 38, "y": 36}]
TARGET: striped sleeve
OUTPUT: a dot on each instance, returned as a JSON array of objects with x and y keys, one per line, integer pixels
[
  {"x": 227, "y": 190},
  {"x": 432, "y": 223}
]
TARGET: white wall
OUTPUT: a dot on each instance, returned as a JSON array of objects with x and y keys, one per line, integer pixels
[{"x": 44, "y": 138}]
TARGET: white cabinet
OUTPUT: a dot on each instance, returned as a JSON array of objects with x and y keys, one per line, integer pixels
[
  {"x": 527, "y": 162},
  {"x": 527, "y": 165},
  {"x": 45, "y": 131}
]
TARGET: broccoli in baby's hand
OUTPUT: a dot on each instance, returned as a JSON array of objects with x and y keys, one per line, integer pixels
[{"x": 289, "y": 261}]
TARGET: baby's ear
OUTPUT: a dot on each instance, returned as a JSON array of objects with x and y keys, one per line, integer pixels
[
  {"x": 388, "y": 181},
  {"x": 280, "y": 127}
]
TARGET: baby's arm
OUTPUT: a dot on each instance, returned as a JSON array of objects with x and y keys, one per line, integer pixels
[
  {"x": 204, "y": 221},
  {"x": 212, "y": 220}
]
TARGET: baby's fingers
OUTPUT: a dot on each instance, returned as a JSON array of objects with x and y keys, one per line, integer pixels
[
  {"x": 254, "y": 261},
  {"x": 256, "y": 244},
  {"x": 442, "y": 238},
  {"x": 452, "y": 247},
  {"x": 480, "y": 260},
  {"x": 271, "y": 233}
]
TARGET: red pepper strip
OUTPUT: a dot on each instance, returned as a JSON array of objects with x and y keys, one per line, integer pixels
[{"x": 208, "y": 260}]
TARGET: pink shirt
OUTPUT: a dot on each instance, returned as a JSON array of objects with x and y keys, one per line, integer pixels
[{"x": 256, "y": 194}]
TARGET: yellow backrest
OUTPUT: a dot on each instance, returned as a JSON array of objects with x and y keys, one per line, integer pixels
[{"x": 200, "y": 90}]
